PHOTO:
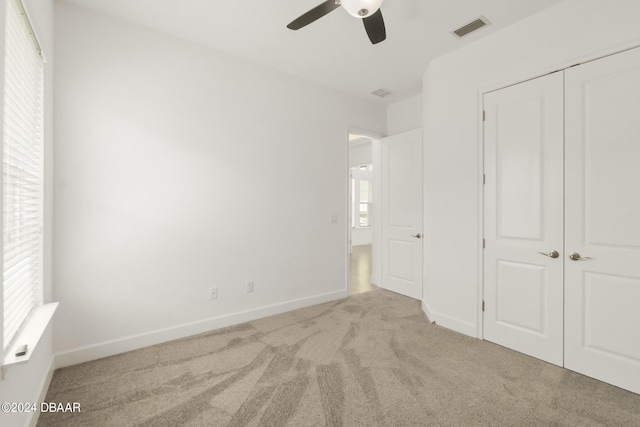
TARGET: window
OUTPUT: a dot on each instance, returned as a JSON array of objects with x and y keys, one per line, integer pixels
[
  {"x": 23, "y": 164},
  {"x": 365, "y": 203},
  {"x": 362, "y": 192}
]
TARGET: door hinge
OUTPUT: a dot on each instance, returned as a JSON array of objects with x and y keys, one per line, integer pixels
[
  {"x": 483, "y": 305},
  {"x": 484, "y": 115},
  {"x": 484, "y": 179},
  {"x": 484, "y": 243}
]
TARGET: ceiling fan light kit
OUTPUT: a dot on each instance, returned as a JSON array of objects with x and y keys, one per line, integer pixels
[{"x": 361, "y": 8}]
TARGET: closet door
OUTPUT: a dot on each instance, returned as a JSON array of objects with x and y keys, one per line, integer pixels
[
  {"x": 602, "y": 222},
  {"x": 523, "y": 228}
]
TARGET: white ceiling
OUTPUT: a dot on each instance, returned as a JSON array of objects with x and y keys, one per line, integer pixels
[{"x": 333, "y": 51}]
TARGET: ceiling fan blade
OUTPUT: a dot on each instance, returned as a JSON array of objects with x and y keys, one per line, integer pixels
[
  {"x": 374, "y": 25},
  {"x": 314, "y": 14}
]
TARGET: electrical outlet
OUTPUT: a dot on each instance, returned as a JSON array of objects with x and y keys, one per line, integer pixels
[
  {"x": 250, "y": 286},
  {"x": 213, "y": 293}
]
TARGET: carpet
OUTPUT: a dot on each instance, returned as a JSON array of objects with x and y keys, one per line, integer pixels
[{"x": 372, "y": 359}]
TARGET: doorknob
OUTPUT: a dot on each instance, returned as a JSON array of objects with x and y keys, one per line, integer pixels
[
  {"x": 417, "y": 236},
  {"x": 552, "y": 254},
  {"x": 575, "y": 256}
]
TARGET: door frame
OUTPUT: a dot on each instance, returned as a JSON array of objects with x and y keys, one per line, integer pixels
[{"x": 375, "y": 252}]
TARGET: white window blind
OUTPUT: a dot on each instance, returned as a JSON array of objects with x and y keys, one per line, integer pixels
[{"x": 23, "y": 166}]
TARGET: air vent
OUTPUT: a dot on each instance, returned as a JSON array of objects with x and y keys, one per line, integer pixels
[
  {"x": 381, "y": 93},
  {"x": 471, "y": 27}
]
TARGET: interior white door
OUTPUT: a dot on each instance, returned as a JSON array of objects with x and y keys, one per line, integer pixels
[
  {"x": 401, "y": 185},
  {"x": 523, "y": 230},
  {"x": 602, "y": 299}
]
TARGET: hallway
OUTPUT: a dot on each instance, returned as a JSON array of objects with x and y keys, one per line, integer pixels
[{"x": 360, "y": 270}]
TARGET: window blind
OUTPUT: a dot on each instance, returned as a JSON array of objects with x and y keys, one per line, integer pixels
[{"x": 23, "y": 166}]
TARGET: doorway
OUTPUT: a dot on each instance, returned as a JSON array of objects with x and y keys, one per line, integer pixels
[
  {"x": 385, "y": 212},
  {"x": 362, "y": 199}
]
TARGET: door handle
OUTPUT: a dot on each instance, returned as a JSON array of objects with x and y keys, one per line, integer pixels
[
  {"x": 575, "y": 256},
  {"x": 552, "y": 254},
  {"x": 417, "y": 236}
]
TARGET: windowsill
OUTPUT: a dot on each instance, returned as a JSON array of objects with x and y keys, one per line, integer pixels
[{"x": 30, "y": 334}]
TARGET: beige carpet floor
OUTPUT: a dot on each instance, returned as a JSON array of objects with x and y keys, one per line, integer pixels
[{"x": 370, "y": 360}]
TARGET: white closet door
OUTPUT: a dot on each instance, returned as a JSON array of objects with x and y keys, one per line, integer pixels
[
  {"x": 602, "y": 299},
  {"x": 523, "y": 289}
]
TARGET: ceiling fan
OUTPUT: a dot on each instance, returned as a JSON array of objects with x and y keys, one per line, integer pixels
[{"x": 367, "y": 10}]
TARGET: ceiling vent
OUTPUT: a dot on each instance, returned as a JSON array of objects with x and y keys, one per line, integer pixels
[
  {"x": 381, "y": 93},
  {"x": 471, "y": 27}
]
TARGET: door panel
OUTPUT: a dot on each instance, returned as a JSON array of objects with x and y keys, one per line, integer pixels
[
  {"x": 401, "y": 260},
  {"x": 602, "y": 301},
  {"x": 523, "y": 289},
  {"x": 401, "y": 184},
  {"x": 520, "y": 296},
  {"x": 600, "y": 326},
  {"x": 519, "y": 151}
]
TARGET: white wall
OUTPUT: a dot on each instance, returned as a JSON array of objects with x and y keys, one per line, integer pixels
[
  {"x": 568, "y": 33},
  {"x": 360, "y": 154},
  {"x": 361, "y": 236},
  {"x": 179, "y": 169},
  {"x": 27, "y": 383},
  {"x": 404, "y": 115}
]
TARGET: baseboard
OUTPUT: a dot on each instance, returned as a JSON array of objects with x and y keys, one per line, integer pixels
[
  {"x": 449, "y": 322},
  {"x": 134, "y": 342},
  {"x": 427, "y": 311},
  {"x": 43, "y": 392}
]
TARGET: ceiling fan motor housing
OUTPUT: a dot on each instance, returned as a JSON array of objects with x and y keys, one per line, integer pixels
[{"x": 361, "y": 8}]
